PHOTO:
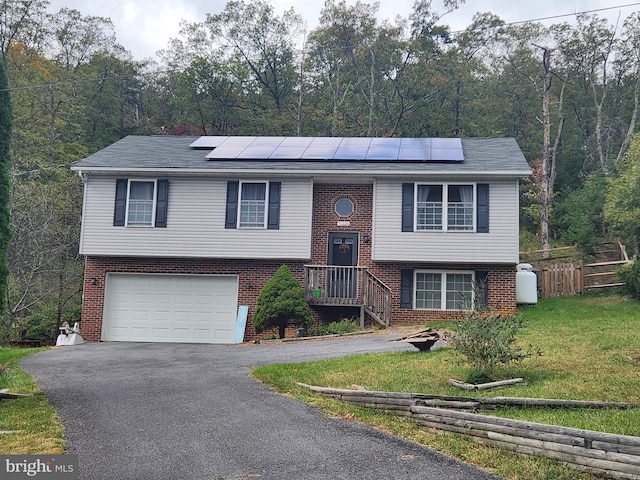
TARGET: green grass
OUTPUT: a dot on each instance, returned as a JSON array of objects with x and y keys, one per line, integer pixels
[
  {"x": 591, "y": 351},
  {"x": 40, "y": 430}
]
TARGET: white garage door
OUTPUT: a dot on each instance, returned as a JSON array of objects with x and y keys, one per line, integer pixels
[{"x": 170, "y": 308}]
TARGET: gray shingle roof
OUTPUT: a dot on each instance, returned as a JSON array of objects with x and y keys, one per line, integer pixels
[{"x": 170, "y": 155}]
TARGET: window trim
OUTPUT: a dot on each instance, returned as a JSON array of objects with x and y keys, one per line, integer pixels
[
  {"x": 445, "y": 207},
  {"x": 154, "y": 200},
  {"x": 159, "y": 206},
  {"x": 443, "y": 290},
  {"x": 265, "y": 221}
]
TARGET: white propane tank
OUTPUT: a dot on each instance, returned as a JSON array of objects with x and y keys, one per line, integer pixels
[{"x": 526, "y": 285}]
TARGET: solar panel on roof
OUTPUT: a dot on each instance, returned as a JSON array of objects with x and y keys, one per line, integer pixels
[
  {"x": 424, "y": 143},
  {"x": 258, "y": 152},
  {"x": 225, "y": 153},
  {"x": 415, "y": 154},
  {"x": 318, "y": 153},
  {"x": 238, "y": 141},
  {"x": 382, "y": 153},
  {"x": 385, "y": 142},
  {"x": 333, "y": 148},
  {"x": 326, "y": 142},
  {"x": 288, "y": 153},
  {"x": 267, "y": 141},
  {"x": 350, "y": 153},
  {"x": 296, "y": 142},
  {"x": 207, "y": 142},
  {"x": 355, "y": 142}
]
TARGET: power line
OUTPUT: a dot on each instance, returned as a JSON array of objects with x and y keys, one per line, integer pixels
[
  {"x": 114, "y": 77},
  {"x": 573, "y": 14}
]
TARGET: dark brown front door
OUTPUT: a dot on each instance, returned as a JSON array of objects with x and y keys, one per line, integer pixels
[{"x": 343, "y": 252}]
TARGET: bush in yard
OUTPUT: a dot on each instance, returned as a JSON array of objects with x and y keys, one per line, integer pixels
[
  {"x": 281, "y": 302},
  {"x": 486, "y": 341},
  {"x": 630, "y": 275}
]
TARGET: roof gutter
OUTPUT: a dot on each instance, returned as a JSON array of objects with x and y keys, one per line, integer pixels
[{"x": 296, "y": 173}]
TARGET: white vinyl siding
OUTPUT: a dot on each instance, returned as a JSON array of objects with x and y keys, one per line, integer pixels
[
  {"x": 500, "y": 245},
  {"x": 196, "y": 224}
]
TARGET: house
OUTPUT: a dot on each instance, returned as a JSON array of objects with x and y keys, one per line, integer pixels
[{"x": 178, "y": 232}]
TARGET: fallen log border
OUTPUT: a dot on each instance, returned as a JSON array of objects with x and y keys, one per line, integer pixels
[{"x": 605, "y": 454}]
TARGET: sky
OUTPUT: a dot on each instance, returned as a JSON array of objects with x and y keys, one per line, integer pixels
[{"x": 145, "y": 26}]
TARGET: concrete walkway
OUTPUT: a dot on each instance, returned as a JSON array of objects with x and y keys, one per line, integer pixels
[{"x": 180, "y": 411}]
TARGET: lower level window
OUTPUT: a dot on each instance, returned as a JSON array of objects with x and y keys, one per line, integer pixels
[{"x": 435, "y": 290}]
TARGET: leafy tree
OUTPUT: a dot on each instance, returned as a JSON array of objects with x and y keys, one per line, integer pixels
[
  {"x": 259, "y": 41},
  {"x": 6, "y": 121},
  {"x": 578, "y": 218},
  {"x": 281, "y": 302},
  {"x": 21, "y": 21},
  {"x": 622, "y": 206}
]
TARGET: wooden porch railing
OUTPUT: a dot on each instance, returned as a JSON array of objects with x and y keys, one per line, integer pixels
[{"x": 348, "y": 286}]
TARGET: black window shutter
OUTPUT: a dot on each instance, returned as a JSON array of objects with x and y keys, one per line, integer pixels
[
  {"x": 231, "y": 219},
  {"x": 482, "y": 289},
  {"x": 162, "y": 203},
  {"x": 406, "y": 288},
  {"x": 407, "y": 207},
  {"x": 273, "y": 219},
  {"x": 120, "y": 208},
  {"x": 482, "y": 208}
]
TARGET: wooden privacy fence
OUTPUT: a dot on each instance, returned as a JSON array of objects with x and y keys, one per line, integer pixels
[
  {"x": 604, "y": 454},
  {"x": 567, "y": 279},
  {"x": 563, "y": 278}
]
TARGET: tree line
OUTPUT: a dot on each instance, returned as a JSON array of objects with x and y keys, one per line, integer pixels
[{"x": 569, "y": 93}]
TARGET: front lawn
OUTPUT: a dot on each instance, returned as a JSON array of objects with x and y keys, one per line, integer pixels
[
  {"x": 591, "y": 351},
  {"x": 35, "y": 424}
]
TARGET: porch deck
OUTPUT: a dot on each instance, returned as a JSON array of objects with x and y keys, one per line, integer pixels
[{"x": 336, "y": 285}]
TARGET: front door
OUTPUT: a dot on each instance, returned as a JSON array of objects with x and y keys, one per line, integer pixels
[{"x": 343, "y": 252}]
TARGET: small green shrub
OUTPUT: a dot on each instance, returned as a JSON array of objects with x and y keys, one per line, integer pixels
[
  {"x": 346, "y": 325},
  {"x": 630, "y": 275},
  {"x": 281, "y": 302},
  {"x": 486, "y": 341}
]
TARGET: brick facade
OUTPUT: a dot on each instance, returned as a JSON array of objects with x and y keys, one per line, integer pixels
[{"x": 253, "y": 274}]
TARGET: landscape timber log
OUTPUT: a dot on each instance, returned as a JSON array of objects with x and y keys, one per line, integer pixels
[
  {"x": 600, "y": 453},
  {"x": 485, "y": 402},
  {"x": 545, "y": 402},
  {"x": 5, "y": 394},
  {"x": 484, "y": 386},
  {"x": 587, "y": 434}
]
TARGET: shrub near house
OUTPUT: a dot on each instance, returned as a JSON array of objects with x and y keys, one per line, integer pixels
[{"x": 281, "y": 303}]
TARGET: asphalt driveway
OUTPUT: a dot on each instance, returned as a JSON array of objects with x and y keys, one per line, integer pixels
[{"x": 182, "y": 411}]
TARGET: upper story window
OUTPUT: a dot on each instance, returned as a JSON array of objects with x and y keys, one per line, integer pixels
[
  {"x": 445, "y": 207},
  {"x": 141, "y": 203},
  {"x": 253, "y": 205}
]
